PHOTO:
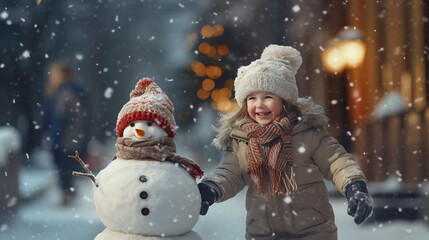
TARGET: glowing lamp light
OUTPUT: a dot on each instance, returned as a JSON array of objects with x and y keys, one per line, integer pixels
[
  {"x": 353, "y": 52},
  {"x": 204, "y": 47},
  {"x": 215, "y": 31},
  {"x": 225, "y": 105},
  {"x": 223, "y": 50},
  {"x": 208, "y": 84},
  {"x": 211, "y": 52},
  {"x": 345, "y": 51},
  {"x": 203, "y": 94},
  {"x": 218, "y": 30},
  {"x": 214, "y": 72},
  {"x": 333, "y": 60},
  {"x": 207, "y": 31},
  {"x": 199, "y": 68}
]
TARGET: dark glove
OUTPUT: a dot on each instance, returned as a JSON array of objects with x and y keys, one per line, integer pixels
[
  {"x": 360, "y": 202},
  {"x": 208, "y": 197}
]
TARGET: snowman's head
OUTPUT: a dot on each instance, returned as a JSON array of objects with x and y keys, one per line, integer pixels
[
  {"x": 147, "y": 102},
  {"x": 142, "y": 129}
]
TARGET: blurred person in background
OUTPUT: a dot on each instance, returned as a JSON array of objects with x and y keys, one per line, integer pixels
[{"x": 65, "y": 123}]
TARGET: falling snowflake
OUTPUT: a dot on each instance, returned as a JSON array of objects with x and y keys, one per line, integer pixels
[
  {"x": 12, "y": 202},
  {"x": 108, "y": 92},
  {"x": 3, "y": 227},
  {"x": 79, "y": 56},
  {"x": 296, "y": 8},
  {"x": 301, "y": 149},
  {"x": 26, "y": 54},
  {"x": 4, "y": 15}
]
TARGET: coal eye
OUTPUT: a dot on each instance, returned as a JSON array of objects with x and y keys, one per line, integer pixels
[
  {"x": 132, "y": 124},
  {"x": 149, "y": 124}
]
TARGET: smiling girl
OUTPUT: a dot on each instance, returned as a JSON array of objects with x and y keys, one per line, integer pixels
[{"x": 279, "y": 146}]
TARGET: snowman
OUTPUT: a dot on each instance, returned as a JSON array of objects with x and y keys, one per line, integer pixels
[{"x": 147, "y": 192}]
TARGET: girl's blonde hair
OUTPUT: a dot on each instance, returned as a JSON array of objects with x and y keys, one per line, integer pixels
[{"x": 235, "y": 119}]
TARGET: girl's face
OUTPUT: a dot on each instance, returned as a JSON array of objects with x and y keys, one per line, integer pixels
[{"x": 264, "y": 107}]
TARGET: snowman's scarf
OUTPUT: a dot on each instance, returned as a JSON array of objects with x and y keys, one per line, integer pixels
[{"x": 163, "y": 149}]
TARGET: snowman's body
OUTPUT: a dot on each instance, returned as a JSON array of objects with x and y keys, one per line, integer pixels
[{"x": 146, "y": 199}]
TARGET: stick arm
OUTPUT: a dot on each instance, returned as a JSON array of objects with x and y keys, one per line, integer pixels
[{"x": 88, "y": 173}]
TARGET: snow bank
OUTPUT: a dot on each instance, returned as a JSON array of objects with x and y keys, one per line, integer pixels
[
  {"x": 108, "y": 234},
  {"x": 10, "y": 141},
  {"x": 390, "y": 105}
]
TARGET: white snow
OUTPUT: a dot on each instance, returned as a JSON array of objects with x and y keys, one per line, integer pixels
[
  {"x": 26, "y": 54},
  {"x": 42, "y": 219},
  {"x": 149, "y": 131},
  {"x": 108, "y": 234},
  {"x": 296, "y": 8},
  {"x": 391, "y": 104},
  {"x": 10, "y": 141},
  {"x": 79, "y": 56},
  {"x": 4, "y": 15},
  {"x": 172, "y": 204},
  {"x": 108, "y": 92}
]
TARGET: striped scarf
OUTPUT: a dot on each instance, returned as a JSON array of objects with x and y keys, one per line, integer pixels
[
  {"x": 270, "y": 151},
  {"x": 163, "y": 149}
]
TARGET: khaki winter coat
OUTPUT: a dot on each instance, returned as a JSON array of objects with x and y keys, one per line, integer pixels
[{"x": 305, "y": 214}]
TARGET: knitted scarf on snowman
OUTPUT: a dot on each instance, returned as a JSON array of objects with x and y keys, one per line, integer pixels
[
  {"x": 270, "y": 151},
  {"x": 163, "y": 149}
]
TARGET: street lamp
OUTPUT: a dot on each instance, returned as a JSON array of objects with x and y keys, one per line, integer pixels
[
  {"x": 332, "y": 57},
  {"x": 347, "y": 50}
]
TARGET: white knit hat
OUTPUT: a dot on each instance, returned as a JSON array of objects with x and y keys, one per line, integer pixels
[{"x": 274, "y": 72}]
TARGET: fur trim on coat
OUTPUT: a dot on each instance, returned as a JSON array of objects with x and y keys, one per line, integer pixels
[{"x": 313, "y": 115}]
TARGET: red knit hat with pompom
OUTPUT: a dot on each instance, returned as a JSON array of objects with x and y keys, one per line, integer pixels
[{"x": 147, "y": 102}]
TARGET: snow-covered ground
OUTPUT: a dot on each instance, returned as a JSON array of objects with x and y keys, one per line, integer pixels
[{"x": 42, "y": 218}]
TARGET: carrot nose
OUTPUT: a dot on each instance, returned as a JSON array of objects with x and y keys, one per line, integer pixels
[{"x": 140, "y": 132}]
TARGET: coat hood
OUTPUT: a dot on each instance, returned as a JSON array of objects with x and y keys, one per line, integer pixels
[{"x": 313, "y": 115}]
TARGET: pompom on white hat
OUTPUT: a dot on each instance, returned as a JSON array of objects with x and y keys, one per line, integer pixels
[{"x": 274, "y": 72}]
